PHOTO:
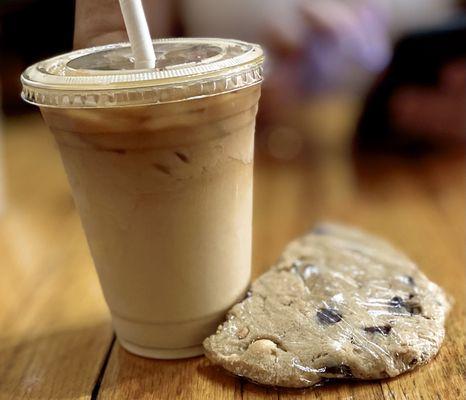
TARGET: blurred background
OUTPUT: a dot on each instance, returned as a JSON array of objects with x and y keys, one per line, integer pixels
[{"x": 332, "y": 67}]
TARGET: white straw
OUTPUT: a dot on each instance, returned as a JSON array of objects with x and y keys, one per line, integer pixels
[{"x": 138, "y": 33}]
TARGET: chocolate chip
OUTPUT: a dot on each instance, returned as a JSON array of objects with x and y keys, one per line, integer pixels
[
  {"x": 396, "y": 301},
  {"x": 339, "y": 370},
  {"x": 328, "y": 316},
  {"x": 411, "y": 295},
  {"x": 413, "y": 362},
  {"x": 295, "y": 266},
  {"x": 409, "y": 280},
  {"x": 382, "y": 329},
  {"x": 413, "y": 307}
]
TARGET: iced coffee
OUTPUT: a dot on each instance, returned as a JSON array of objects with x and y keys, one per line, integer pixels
[{"x": 161, "y": 173}]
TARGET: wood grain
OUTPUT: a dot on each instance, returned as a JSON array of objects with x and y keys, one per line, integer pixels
[
  {"x": 54, "y": 328},
  {"x": 55, "y": 338}
]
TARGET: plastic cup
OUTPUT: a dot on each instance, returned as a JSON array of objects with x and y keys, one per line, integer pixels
[{"x": 160, "y": 164}]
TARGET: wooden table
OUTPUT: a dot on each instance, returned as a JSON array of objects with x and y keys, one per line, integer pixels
[{"x": 56, "y": 341}]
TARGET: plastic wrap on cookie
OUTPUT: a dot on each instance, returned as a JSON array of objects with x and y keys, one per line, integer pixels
[{"x": 339, "y": 303}]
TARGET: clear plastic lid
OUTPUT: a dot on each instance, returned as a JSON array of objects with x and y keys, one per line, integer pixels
[{"x": 104, "y": 76}]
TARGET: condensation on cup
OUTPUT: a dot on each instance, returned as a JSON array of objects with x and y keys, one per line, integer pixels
[{"x": 160, "y": 164}]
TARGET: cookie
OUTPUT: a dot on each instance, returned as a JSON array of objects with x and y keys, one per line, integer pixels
[{"x": 339, "y": 303}]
